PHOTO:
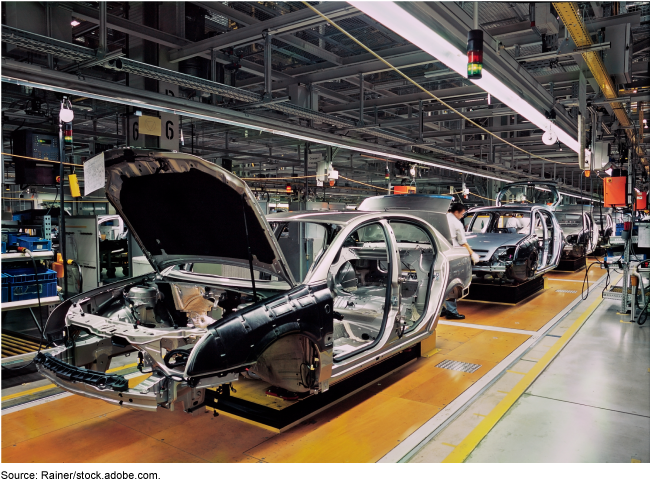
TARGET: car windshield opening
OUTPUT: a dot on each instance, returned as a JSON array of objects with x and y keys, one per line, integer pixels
[{"x": 513, "y": 222}]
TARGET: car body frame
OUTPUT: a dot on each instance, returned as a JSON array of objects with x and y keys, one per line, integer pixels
[
  {"x": 516, "y": 240},
  {"x": 225, "y": 302}
]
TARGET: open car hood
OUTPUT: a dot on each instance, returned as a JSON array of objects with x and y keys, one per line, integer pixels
[{"x": 183, "y": 209}]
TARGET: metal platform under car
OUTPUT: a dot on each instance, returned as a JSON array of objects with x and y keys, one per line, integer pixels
[
  {"x": 498, "y": 292},
  {"x": 571, "y": 264},
  {"x": 248, "y": 400}
]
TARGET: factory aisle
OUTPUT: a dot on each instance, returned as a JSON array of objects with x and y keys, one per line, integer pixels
[{"x": 591, "y": 404}]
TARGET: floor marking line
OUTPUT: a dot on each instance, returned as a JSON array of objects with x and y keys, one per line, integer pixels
[
  {"x": 408, "y": 447},
  {"x": 501, "y": 391},
  {"x": 28, "y": 392},
  {"x": 569, "y": 280},
  {"x": 467, "y": 446},
  {"x": 487, "y": 327},
  {"x": 479, "y": 415},
  {"x": 518, "y": 373},
  {"x": 590, "y": 406},
  {"x": 448, "y": 445}
]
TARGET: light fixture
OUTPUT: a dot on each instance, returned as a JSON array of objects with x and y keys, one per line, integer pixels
[
  {"x": 474, "y": 54},
  {"x": 410, "y": 28},
  {"x": 65, "y": 114},
  {"x": 288, "y": 188},
  {"x": 549, "y": 138},
  {"x": 75, "y": 23}
]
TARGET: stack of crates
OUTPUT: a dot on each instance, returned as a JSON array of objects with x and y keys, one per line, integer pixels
[
  {"x": 5, "y": 288},
  {"x": 21, "y": 283}
]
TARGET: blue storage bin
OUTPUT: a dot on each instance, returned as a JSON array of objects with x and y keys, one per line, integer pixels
[
  {"x": 12, "y": 238},
  {"x": 21, "y": 283},
  {"x": 34, "y": 243},
  {"x": 4, "y": 247},
  {"x": 27, "y": 290},
  {"x": 5, "y": 288},
  {"x": 22, "y": 275}
]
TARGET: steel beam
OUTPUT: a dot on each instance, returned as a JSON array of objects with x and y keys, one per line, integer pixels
[
  {"x": 282, "y": 24},
  {"x": 247, "y": 20}
]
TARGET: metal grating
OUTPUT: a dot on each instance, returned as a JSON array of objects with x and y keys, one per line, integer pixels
[
  {"x": 458, "y": 366},
  {"x": 566, "y": 291}
]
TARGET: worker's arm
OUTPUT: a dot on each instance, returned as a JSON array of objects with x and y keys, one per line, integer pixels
[{"x": 472, "y": 254}]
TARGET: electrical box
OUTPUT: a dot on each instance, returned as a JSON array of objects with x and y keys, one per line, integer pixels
[
  {"x": 40, "y": 146},
  {"x": 404, "y": 190},
  {"x": 641, "y": 201},
  {"x": 614, "y": 189},
  {"x": 618, "y": 62},
  {"x": 600, "y": 155}
]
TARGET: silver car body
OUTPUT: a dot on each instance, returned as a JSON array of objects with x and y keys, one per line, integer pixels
[
  {"x": 507, "y": 252},
  {"x": 581, "y": 231},
  {"x": 194, "y": 327}
]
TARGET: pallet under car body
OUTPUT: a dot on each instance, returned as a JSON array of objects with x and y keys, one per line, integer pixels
[
  {"x": 497, "y": 292},
  {"x": 250, "y": 404},
  {"x": 571, "y": 264}
]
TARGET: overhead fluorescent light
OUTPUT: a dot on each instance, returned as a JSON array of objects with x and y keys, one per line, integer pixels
[
  {"x": 75, "y": 23},
  {"x": 410, "y": 28}
]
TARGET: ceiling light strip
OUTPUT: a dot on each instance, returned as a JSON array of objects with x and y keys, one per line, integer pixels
[{"x": 410, "y": 28}]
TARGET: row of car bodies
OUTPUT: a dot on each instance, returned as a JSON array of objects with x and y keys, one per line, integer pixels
[
  {"x": 236, "y": 293},
  {"x": 528, "y": 233}
]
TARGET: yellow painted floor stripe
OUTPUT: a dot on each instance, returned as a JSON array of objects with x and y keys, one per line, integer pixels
[
  {"x": 516, "y": 373},
  {"x": 448, "y": 445},
  {"x": 47, "y": 387},
  {"x": 465, "y": 448}
]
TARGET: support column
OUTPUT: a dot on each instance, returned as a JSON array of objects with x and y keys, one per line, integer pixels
[
  {"x": 268, "y": 59},
  {"x": 103, "y": 42}
]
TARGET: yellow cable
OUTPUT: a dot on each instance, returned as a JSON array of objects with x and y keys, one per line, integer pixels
[
  {"x": 99, "y": 200},
  {"x": 42, "y": 160},
  {"x": 359, "y": 182},
  {"x": 428, "y": 92}
]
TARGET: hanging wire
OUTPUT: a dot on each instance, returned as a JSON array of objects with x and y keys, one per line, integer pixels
[
  {"x": 437, "y": 99},
  {"x": 41, "y": 160}
]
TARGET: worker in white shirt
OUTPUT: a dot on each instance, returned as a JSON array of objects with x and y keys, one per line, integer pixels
[
  {"x": 455, "y": 214},
  {"x": 515, "y": 221}
]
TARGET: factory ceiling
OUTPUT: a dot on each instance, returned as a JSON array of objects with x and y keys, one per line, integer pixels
[{"x": 265, "y": 83}]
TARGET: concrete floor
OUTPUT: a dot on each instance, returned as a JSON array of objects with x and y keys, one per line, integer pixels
[{"x": 591, "y": 404}]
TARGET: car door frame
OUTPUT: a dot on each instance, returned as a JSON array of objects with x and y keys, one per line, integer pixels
[{"x": 384, "y": 348}]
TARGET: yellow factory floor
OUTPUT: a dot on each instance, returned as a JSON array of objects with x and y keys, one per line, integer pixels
[{"x": 361, "y": 428}]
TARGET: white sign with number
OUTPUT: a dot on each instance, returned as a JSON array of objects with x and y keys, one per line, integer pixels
[
  {"x": 170, "y": 132},
  {"x": 135, "y": 138}
]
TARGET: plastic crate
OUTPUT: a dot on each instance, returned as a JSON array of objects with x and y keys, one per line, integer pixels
[
  {"x": 34, "y": 243},
  {"x": 22, "y": 275},
  {"x": 5, "y": 288},
  {"x": 4, "y": 247},
  {"x": 27, "y": 290},
  {"x": 12, "y": 238}
]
